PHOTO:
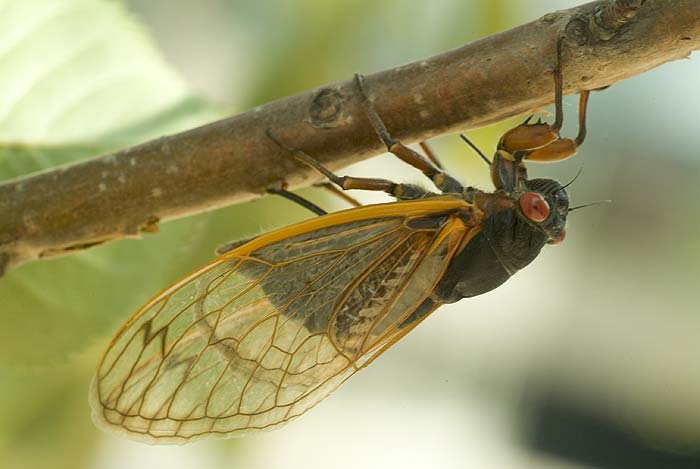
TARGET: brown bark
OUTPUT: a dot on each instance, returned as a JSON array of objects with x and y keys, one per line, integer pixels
[{"x": 229, "y": 161}]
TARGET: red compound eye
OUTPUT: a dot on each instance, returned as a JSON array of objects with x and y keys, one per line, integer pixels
[{"x": 534, "y": 206}]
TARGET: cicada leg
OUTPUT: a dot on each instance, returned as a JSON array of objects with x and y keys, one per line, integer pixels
[
  {"x": 398, "y": 190},
  {"x": 539, "y": 141},
  {"x": 339, "y": 193},
  {"x": 282, "y": 192},
  {"x": 297, "y": 199},
  {"x": 441, "y": 179},
  {"x": 430, "y": 153},
  {"x": 563, "y": 148}
]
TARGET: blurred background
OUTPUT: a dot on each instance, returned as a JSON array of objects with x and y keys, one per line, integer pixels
[{"x": 588, "y": 358}]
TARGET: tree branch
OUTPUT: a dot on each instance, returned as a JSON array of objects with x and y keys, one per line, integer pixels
[{"x": 229, "y": 161}]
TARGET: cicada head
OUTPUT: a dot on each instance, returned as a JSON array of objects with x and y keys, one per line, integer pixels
[{"x": 519, "y": 224}]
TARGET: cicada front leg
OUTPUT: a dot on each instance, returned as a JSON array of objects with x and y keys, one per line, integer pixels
[{"x": 537, "y": 141}]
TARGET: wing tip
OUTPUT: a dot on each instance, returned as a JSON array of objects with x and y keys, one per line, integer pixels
[{"x": 101, "y": 421}]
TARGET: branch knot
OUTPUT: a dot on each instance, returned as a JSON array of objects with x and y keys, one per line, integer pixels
[{"x": 615, "y": 14}]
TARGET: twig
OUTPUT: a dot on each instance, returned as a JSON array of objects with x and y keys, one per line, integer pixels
[{"x": 121, "y": 195}]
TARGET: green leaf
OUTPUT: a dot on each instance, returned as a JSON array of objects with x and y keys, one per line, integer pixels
[
  {"x": 80, "y": 78},
  {"x": 76, "y": 70}
]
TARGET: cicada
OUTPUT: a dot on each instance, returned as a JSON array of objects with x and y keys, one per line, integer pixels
[{"x": 265, "y": 331}]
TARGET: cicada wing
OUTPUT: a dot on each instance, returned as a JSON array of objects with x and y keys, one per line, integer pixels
[{"x": 258, "y": 337}]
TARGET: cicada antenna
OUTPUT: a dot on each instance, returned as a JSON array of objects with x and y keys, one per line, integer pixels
[
  {"x": 600, "y": 202},
  {"x": 476, "y": 149},
  {"x": 580, "y": 170}
]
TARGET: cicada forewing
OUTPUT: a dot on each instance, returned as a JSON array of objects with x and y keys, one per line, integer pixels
[{"x": 263, "y": 333}]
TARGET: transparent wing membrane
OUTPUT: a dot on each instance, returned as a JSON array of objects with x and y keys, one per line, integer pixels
[{"x": 259, "y": 336}]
